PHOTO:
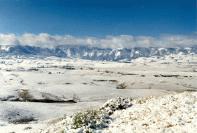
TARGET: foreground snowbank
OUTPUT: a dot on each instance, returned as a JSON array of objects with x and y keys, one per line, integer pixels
[{"x": 170, "y": 113}]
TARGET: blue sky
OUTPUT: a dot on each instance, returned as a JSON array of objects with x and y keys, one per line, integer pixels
[{"x": 98, "y": 17}]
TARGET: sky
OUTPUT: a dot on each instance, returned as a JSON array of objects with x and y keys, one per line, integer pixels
[{"x": 92, "y": 21}]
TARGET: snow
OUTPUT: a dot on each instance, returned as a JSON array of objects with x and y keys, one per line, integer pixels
[
  {"x": 91, "y": 53},
  {"x": 171, "y": 113},
  {"x": 90, "y": 83},
  {"x": 163, "y": 114}
]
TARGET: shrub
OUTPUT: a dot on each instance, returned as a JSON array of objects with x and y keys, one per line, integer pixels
[
  {"x": 75, "y": 98},
  {"x": 118, "y": 103},
  {"x": 121, "y": 86},
  {"x": 24, "y": 95},
  {"x": 90, "y": 119}
]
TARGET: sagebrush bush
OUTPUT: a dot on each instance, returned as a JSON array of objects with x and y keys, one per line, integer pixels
[
  {"x": 88, "y": 118},
  {"x": 24, "y": 95},
  {"x": 121, "y": 86},
  {"x": 90, "y": 121}
]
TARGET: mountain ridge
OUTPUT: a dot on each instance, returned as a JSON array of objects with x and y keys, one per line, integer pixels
[{"x": 93, "y": 53}]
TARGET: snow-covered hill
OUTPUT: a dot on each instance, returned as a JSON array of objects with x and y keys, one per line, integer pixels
[
  {"x": 164, "y": 114},
  {"x": 93, "y": 53}
]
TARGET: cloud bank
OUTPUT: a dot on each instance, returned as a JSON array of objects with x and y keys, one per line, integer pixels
[{"x": 121, "y": 41}]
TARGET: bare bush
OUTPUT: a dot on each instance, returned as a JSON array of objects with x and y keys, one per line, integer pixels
[
  {"x": 88, "y": 118},
  {"x": 24, "y": 95},
  {"x": 121, "y": 86}
]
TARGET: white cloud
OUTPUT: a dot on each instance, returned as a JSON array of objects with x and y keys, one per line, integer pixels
[
  {"x": 126, "y": 41},
  {"x": 8, "y": 39}
]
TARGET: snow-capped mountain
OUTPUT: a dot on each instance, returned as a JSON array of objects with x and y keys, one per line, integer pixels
[{"x": 93, "y": 53}]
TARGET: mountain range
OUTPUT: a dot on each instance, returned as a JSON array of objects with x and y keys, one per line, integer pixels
[{"x": 93, "y": 53}]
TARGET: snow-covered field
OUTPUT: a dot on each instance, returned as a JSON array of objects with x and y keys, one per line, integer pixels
[{"x": 35, "y": 91}]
